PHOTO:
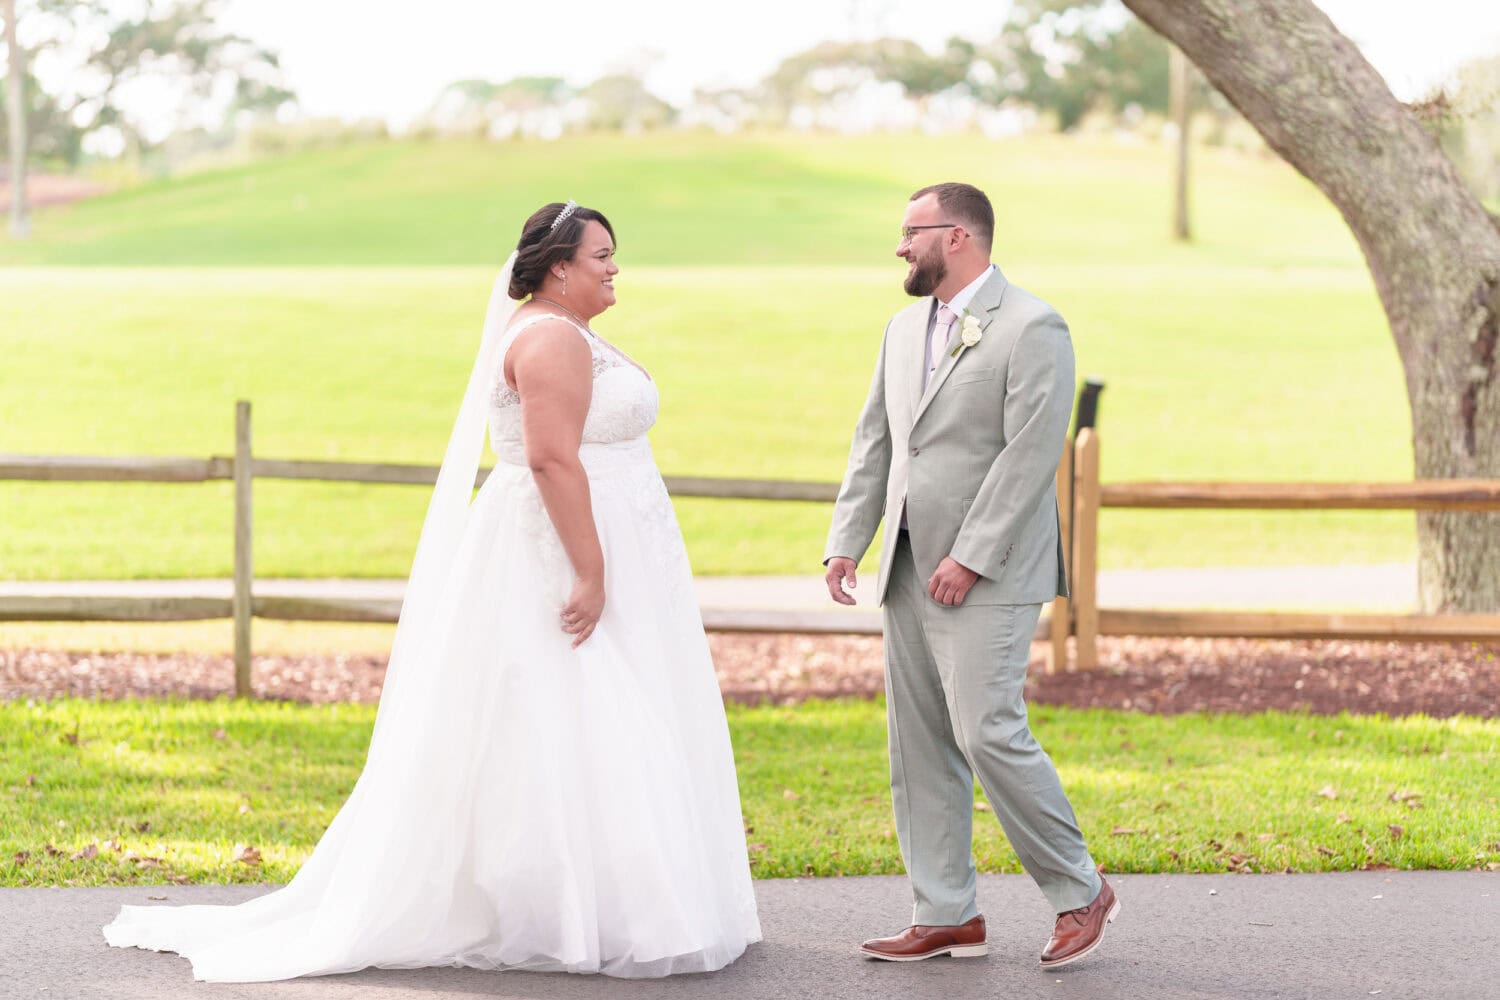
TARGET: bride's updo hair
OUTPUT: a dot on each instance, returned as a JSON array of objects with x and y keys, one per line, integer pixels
[{"x": 541, "y": 246}]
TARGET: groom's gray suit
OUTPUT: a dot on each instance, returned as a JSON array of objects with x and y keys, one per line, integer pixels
[{"x": 966, "y": 467}]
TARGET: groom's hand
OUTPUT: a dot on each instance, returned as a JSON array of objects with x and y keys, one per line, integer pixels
[
  {"x": 840, "y": 568},
  {"x": 951, "y": 582}
]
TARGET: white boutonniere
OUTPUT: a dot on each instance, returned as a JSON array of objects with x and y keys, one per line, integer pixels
[{"x": 970, "y": 333}]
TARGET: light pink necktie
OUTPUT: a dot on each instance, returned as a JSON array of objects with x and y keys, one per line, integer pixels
[{"x": 942, "y": 328}]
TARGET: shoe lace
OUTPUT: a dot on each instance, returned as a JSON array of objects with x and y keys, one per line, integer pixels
[{"x": 1080, "y": 915}]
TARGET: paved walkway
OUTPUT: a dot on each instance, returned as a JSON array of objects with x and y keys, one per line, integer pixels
[
  {"x": 1377, "y": 587},
  {"x": 1418, "y": 935}
]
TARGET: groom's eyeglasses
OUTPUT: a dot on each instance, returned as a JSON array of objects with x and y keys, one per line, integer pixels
[{"x": 909, "y": 232}]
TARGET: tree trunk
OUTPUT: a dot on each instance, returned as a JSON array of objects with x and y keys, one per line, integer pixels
[
  {"x": 1432, "y": 248},
  {"x": 1179, "y": 100},
  {"x": 20, "y": 221}
]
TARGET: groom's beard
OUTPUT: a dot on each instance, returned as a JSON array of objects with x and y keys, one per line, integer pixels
[{"x": 927, "y": 275}]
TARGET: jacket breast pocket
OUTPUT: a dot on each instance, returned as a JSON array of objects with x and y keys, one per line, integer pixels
[{"x": 972, "y": 375}]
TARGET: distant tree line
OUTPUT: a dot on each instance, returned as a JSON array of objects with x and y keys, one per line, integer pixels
[
  {"x": 1467, "y": 122},
  {"x": 1058, "y": 60},
  {"x": 1054, "y": 64},
  {"x": 102, "y": 60}
]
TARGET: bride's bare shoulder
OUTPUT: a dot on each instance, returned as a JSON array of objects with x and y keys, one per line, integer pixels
[
  {"x": 531, "y": 318},
  {"x": 544, "y": 341}
]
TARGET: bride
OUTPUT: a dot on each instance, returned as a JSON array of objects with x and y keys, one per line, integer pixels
[{"x": 549, "y": 784}]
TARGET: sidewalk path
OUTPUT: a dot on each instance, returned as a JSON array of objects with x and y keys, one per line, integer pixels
[
  {"x": 1377, "y": 587},
  {"x": 1392, "y": 935},
  {"x": 1386, "y": 587}
]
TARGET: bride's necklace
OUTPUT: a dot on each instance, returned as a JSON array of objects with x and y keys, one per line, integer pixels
[{"x": 554, "y": 302}]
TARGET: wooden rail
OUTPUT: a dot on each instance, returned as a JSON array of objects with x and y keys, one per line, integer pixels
[
  {"x": 106, "y": 608},
  {"x": 1289, "y": 625},
  {"x": 1441, "y": 494},
  {"x": 80, "y": 468}
]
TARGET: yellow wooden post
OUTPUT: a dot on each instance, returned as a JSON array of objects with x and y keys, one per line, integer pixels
[
  {"x": 1086, "y": 549},
  {"x": 1057, "y": 647},
  {"x": 242, "y": 550}
]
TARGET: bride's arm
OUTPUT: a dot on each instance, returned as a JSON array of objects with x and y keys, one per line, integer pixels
[{"x": 553, "y": 372}]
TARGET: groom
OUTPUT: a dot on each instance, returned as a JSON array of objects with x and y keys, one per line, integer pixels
[{"x": 958, "y": 448}]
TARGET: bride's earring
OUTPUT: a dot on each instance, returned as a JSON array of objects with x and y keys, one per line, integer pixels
[{"x": 565, "y": 282}]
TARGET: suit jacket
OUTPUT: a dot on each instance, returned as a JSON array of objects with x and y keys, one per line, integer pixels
[{"x": 972, "y": 461}]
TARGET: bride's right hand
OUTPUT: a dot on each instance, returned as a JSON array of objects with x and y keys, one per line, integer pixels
[{"x": 582, "y": 612}]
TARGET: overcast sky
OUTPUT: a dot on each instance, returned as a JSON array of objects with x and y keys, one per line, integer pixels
[{"x": 388, "y": 59}]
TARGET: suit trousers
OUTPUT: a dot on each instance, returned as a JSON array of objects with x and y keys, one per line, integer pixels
[{"x": 954, "y": 681}]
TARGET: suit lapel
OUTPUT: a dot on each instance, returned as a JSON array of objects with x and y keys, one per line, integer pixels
[
  {"x": 985, "y": 305},
  {"x": 914, "y": 355}
]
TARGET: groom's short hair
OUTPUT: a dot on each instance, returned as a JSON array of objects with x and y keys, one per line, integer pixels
[{"x": 966, "y": 205}]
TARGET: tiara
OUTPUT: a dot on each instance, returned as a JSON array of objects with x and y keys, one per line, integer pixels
[{"x": 568, "y": 209}]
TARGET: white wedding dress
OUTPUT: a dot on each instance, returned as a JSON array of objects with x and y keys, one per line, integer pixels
[{"x": 524, "y": 805}]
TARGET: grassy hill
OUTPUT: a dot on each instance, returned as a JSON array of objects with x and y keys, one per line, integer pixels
[
  {"x": 342, "y": 291},
  {"x": 688, "y": 199}
]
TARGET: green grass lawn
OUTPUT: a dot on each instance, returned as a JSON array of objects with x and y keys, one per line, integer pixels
[
  {"x": 341, "y": 292},
  {"x": 93, "y": 791}
]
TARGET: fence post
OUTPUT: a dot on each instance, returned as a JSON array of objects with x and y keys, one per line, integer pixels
[
  {"x": 1057, "y": 648},
  {"x": 1086, "y": 548},
  {"x": 242, "y": 550}
]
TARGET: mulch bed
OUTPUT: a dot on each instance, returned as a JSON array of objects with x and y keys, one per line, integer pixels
[
  {"x": 1167, "y": 676},
  {"x": 51, "y": 189}
]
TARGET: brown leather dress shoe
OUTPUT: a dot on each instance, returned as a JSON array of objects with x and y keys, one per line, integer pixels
[
  {"x": 922, "y": 941},
  {"x": 1080, "y": 931}
]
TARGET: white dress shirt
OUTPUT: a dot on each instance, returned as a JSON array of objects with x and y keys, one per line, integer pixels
[{"x": 960, "y": 302}]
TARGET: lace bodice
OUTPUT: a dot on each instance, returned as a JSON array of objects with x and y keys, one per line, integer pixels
[{"x": 623, "y": 406}]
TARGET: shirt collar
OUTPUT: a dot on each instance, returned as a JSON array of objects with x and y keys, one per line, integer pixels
[{"x": 966, "y": 294}]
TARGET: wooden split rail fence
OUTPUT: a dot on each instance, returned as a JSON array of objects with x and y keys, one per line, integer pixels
[
  {"x": 1080, "y": 494},
  {"x": 243, "y": 468}
]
